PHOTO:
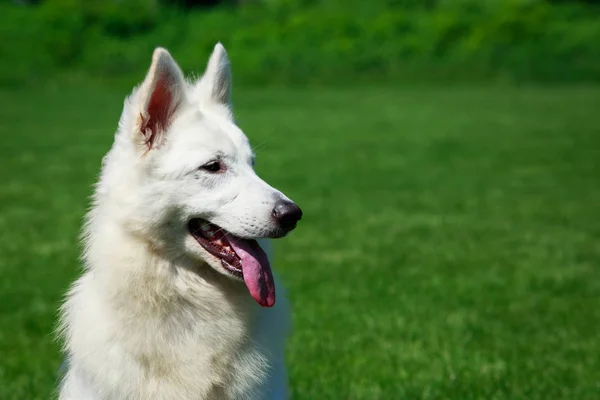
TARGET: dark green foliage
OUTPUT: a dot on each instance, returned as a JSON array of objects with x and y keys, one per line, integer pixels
[{"x": 299, "y": 41}]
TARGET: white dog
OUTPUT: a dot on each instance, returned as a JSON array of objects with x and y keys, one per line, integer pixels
[{"x": 177, "y": 300}]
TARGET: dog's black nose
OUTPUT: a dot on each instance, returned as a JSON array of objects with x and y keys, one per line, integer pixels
[{"x": 287, "y": 214}]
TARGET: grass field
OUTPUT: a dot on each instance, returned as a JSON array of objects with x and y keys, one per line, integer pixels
[{"x": 450, "y": 247}]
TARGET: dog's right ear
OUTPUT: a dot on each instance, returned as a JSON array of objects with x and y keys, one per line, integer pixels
[
  {"x": 215, "y": 85},
  {"x": 160, "y": 96}
]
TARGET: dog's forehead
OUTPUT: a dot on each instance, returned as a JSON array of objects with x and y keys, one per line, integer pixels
[{"x": 202, "y": 132}]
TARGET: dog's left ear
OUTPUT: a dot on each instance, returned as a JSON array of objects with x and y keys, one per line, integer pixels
[
  {"x": 160, "y": 96},
  {"x": 215, "y": 85}
]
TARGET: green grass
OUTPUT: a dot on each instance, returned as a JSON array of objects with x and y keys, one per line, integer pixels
[{"x": 450, "y": 247}]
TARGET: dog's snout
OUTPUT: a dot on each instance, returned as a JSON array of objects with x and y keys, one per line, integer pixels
[{"x": 287, "y": 214}]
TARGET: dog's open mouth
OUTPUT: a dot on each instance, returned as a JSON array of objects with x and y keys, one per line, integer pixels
[{"x": 242, "y": 258}]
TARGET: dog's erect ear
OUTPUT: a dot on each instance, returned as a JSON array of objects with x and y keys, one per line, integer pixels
[
  {"x": 215, "y": 84},
  {"x": 161, "y": 94}
]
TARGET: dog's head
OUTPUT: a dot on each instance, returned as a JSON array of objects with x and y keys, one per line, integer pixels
[{"x": 184, "y": 174}]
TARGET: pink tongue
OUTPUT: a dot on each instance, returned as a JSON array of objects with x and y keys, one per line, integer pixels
[{"x": 257, "y": 270}]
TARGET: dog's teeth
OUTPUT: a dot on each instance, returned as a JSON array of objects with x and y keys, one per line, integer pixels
[{"x": 218, "y": 241}]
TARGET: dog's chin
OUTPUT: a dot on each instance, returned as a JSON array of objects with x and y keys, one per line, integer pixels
[
  {"x": 231, "y": 269},
  {"x": 215, "y": 249},
  {"x": 220, "y": 266}
]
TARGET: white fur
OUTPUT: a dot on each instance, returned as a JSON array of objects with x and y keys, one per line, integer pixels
[{"x": 154, "y": 316}]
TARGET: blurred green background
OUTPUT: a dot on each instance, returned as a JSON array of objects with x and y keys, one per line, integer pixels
[
  {"x": 446, "y": 155},
  {"x": 301, "y": 41}
]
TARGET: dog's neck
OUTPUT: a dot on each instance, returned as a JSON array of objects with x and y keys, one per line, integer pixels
[{"x": 164, "y": 283}]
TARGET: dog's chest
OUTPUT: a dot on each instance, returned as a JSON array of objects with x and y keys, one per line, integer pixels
[
  {"x": 216, "y": 359},
  {"x": 199, "y": 352},
  {"x": 177, "y": 370}
]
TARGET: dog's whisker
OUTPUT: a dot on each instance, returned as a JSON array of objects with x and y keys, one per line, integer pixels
[{"x": 258, "y": 146}]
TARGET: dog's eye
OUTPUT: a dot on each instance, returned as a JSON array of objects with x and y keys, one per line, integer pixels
[{"x": 213, "y": 166}]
